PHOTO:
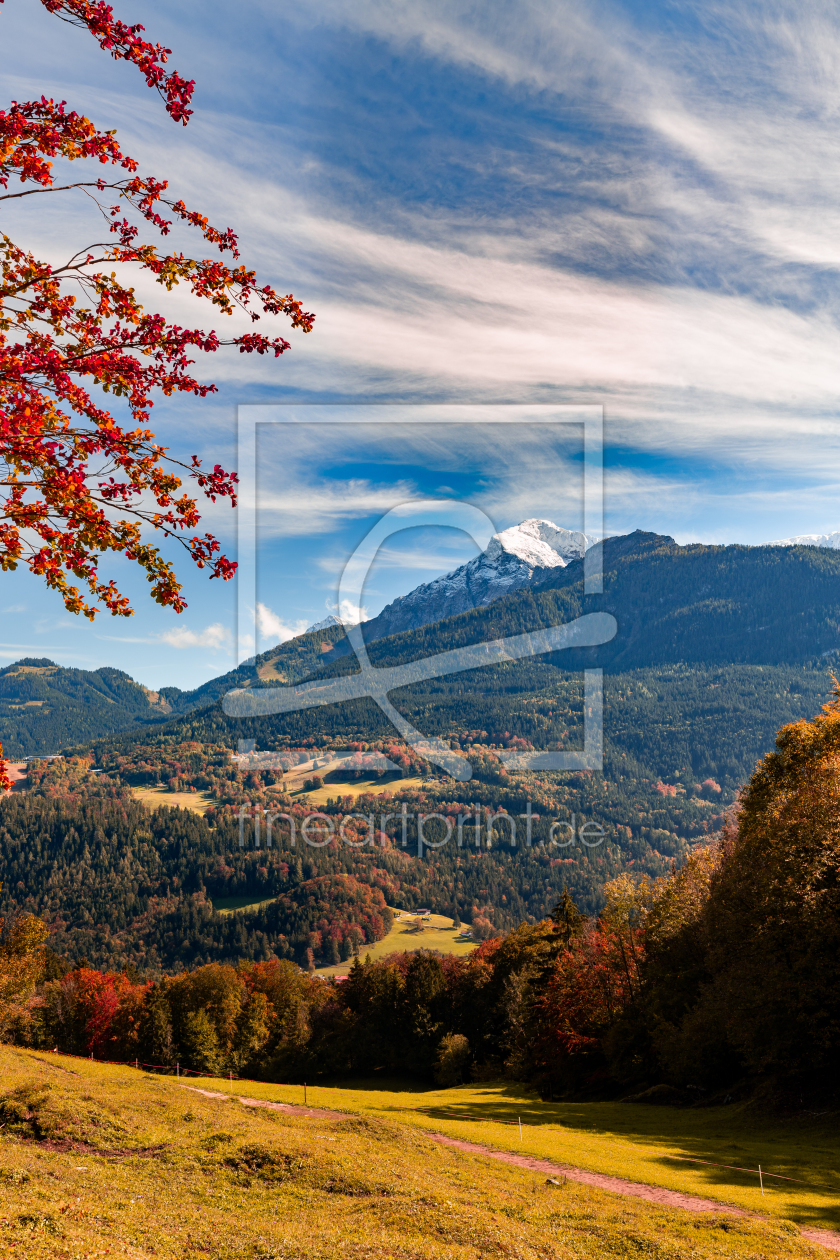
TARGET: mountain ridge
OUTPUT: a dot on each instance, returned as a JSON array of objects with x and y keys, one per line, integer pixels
[
  {"x": 808, "y": 540},
  {"x": 507, "y": 564},
  {"x": 695, "y": 604}
]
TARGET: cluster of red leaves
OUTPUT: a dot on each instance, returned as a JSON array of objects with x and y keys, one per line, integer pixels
[
  {"x": 74, "y": 484},
  {"x": 110, "y": 1006},
  {"x": 591, "y": 984},
  {"x": 125, "y": 43}
]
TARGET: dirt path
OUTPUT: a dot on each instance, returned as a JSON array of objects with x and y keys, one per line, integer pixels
[
  {"x": 314, "y": 1113},
  {"x": 602, "y": 1181}
]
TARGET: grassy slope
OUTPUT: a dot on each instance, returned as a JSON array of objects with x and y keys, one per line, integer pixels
[
  {"x": 101, "y": 1161},
  {"x": 620, "y": 1139},
  {"x": 355, "y": 787},
  {"x": 198, "y": 802},
  {"x": 402, "y": 938},
  {"x": 439, "y": 935}
]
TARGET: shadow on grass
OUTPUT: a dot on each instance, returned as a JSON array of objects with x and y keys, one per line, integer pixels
[
  {"x": 721, "y": 1146},
  {"x": 381, "y": 1084}
]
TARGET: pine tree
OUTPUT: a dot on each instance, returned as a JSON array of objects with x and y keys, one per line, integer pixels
[
  {"x": 566, "y": 918},
  {"x": 155, "y": 1033}
]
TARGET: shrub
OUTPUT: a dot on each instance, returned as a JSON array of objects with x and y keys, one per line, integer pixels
[{"x": 451, "y": 1060}]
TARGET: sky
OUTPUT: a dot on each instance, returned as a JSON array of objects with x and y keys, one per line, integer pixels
[
  {"x": 325, "y": 475},
  {"x": 631, "y": 205}
]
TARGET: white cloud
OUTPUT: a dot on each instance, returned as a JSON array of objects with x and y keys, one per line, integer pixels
[
  {"x": 216, "y": 637},
  {"x": 349, "y": 613},
  {"x": 273, "y": 627}
]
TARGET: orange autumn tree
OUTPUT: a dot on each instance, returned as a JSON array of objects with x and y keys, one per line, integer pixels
[{"x": 76, "y": 483}]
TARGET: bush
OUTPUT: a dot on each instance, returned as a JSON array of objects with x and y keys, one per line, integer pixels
[{"x": 451, "y": 1060}]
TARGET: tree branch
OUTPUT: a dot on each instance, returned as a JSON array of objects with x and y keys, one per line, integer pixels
[{"x": 30, "y": 192}]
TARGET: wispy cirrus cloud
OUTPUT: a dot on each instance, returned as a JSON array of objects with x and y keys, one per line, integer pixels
[
  {"x": 217, "y": 637},
  {"x": 534, "y": 200}
]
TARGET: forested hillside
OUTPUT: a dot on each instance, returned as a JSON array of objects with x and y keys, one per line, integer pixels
[
  {"x": 676, "y": 723},
  {"x": 707, "y": 983},
  {"x": 44, "y": 707},
  {"x": 124, "y": 886},
  {"x": 708, "y": 605},
  {"x": 698, "y": 605}
]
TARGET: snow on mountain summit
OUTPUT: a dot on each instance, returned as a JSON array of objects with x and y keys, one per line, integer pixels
[
  {"x": 539, "y": 544},
  {"x": 808, "y": 540},
  {"x": 507, "y": 564},
  {"x": 329, "y": 621}
]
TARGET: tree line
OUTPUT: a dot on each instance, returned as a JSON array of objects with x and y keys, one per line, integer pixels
[{"x": 705, "y": 983}]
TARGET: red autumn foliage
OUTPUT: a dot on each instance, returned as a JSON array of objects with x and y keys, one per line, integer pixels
[
  {"x": 75, "y": 484},
  {"x": 103, "y": 1007},
  {"x": 592, "y": 982},
  {"x": 125, "y": 43}
]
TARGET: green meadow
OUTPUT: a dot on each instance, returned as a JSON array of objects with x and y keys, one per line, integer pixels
[
  {"x": 438, "y": 932},
  {"x": 100, "y": 1160},
  {"x": 650, "y": 1144}
]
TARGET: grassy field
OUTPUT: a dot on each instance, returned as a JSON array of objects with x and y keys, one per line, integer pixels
[
  {"x": 439, "y": 934},
  {"x": 355, "y": 787},
  {"x": 243, "y": 901},
  {"x": 198, "y": 802},
  {"x": 97, "y": 1160},
  {"x": 645, "y": 1144},
  {"x": 340, "y": 783}
]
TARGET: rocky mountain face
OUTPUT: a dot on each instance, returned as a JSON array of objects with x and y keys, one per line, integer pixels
[
  {"x": 331, "y": 620},
  {"x": 507, "y": 564}
]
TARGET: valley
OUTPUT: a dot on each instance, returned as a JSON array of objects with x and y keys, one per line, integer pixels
[
  {"x": 409, "y": 849},
  {"x": 680, "y": 738}
]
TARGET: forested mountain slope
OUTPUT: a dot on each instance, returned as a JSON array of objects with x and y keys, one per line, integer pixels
[
  {"x": 696, "y": 604},
  {"x": 706, "y": 607},
  {"x": 710, "y": 605},
  {"x": 44, "y": 707},
  {"x": 716, "y": 648}
]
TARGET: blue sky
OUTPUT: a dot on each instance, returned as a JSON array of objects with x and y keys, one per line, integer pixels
[
  {"x": 326, "y": 475},
  {"x": 636, "y": 205}
]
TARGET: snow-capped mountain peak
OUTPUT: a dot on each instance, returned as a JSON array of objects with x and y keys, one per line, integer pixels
[
  {"x": 507, "y": 564},
  {"x": 539, "y": 544},
  {"x": 331, "y": 620},
  {"x": 808, "y": 540}
]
